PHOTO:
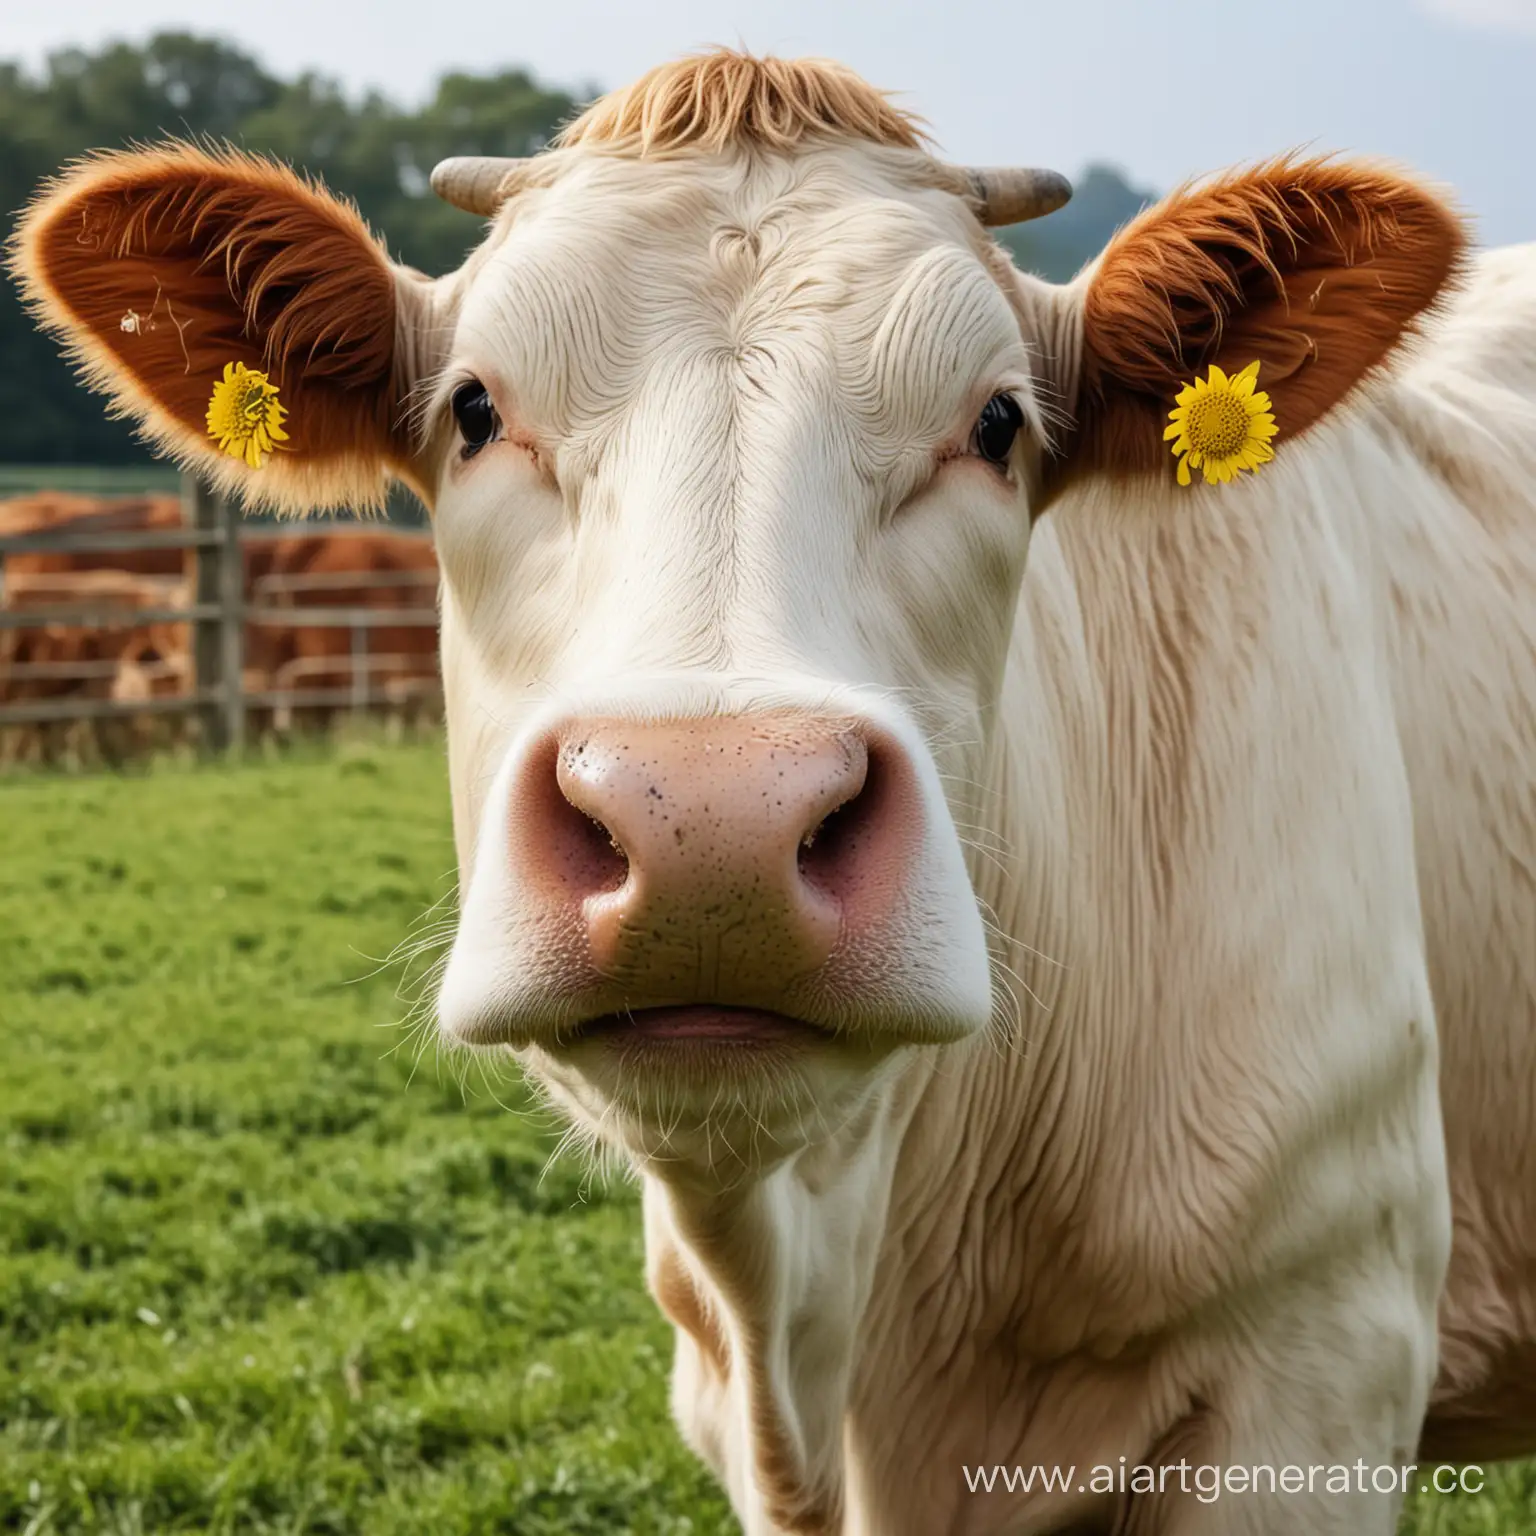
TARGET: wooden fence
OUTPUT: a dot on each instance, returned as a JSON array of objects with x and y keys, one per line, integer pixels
[{"x": 218, "y": 615}]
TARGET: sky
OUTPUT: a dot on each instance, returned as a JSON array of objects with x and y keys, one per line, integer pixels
[{"x": 1163, "y": 90}]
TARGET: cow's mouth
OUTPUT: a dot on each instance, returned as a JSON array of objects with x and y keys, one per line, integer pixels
[{"x": 699, "y": 1024}]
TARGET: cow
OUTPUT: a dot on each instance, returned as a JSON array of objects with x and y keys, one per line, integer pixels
[
  {"x": 45, "y": 510},
  {"x": 53, "y": 661},
  {"x": 53, "y": 511},
  {"x": 356, "y": 567},
  {"x": 1053, "y": 942}
]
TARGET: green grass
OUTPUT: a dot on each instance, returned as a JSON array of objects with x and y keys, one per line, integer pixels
[
  {"x": 254, "y": 1276},
  {"x": 251, "y": 1278}
]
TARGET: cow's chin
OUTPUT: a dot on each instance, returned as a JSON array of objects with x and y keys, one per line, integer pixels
[
  {"x": 723, "y": 1086},
  {"x": 713, "y": 1090},
  {"x": 710, "y": 1094}
]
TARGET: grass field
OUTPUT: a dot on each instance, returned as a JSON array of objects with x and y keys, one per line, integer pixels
[{"x": 255, "y": 1276}]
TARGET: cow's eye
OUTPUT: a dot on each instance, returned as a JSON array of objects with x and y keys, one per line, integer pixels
[
  {"x": 996, "y": 428},
  {"x": 476, "y": 416}
]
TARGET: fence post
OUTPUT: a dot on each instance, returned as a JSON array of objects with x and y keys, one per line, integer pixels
[
  {"x": 362, "y": 680},
  {"x": 218, "y": 647}
]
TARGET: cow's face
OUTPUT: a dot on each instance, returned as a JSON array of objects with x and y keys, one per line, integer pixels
[
  {"x": 732, "y": 508},
  {"x": 734, "y": 454}
]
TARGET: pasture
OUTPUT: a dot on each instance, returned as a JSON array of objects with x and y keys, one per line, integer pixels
[{"x": 261, "y": 1270}]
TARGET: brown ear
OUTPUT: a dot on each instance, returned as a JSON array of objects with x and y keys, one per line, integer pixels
[
  {"x": 1317, "y": 269},
  {"x": 158, "y": 267}
]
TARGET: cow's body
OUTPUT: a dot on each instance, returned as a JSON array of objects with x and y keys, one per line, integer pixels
[{"x": 1028, "y": 999}]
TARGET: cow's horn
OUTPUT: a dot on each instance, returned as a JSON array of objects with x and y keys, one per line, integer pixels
[
  {"x": 1009, "y": 195},
  {"x": 473, "y": 182}
]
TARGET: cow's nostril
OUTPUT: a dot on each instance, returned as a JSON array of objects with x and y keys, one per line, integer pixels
[
  {"x": 589, "y": 855},
  {"x": 829, "y": 852},
  {"x": 571, "y": 842},
  {"x": 603, "y": 856}
]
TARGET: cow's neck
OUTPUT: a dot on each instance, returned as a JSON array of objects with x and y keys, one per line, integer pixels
[{"x": 767, "y": 1283}]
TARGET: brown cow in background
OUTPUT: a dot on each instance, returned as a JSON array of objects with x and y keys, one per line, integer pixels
[{"x": 363, "y": 567}]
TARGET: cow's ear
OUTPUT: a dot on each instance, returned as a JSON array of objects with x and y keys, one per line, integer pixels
[
  {"x": 1315, "y": 269},
  {"x": 159, "y": 268}
]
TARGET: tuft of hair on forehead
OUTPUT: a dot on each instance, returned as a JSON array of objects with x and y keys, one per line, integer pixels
[{"x": 713, "y": 101}]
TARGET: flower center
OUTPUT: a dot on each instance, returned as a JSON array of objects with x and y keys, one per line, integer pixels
[
  {"x": 253, "y": 403},
  {"x": 1218, "y": 425}
]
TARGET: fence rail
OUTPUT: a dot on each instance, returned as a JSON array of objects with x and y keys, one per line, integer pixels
[
  {"x": 59, "y": 540},
  {"x": 218, "y": 613},
  {"x": 56, "y": 711},
  {"x": 107, "y": 616}
]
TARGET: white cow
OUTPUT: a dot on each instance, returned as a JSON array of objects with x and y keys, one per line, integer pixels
[{"x": 1021, "y": 993}]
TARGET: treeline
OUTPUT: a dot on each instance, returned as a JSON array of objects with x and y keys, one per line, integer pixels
[{"x": 370, "y": 148}]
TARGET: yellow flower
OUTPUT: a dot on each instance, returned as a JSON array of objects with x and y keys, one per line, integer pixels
[
  {"x": 1221, "y": 426},
  {"x": 244, "y": 416}
]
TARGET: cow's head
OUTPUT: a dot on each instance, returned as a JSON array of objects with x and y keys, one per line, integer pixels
[{"x": 734, "y": 431}]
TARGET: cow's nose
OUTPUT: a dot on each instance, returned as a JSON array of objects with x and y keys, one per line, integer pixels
[{"x": 715, "y": 859}]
